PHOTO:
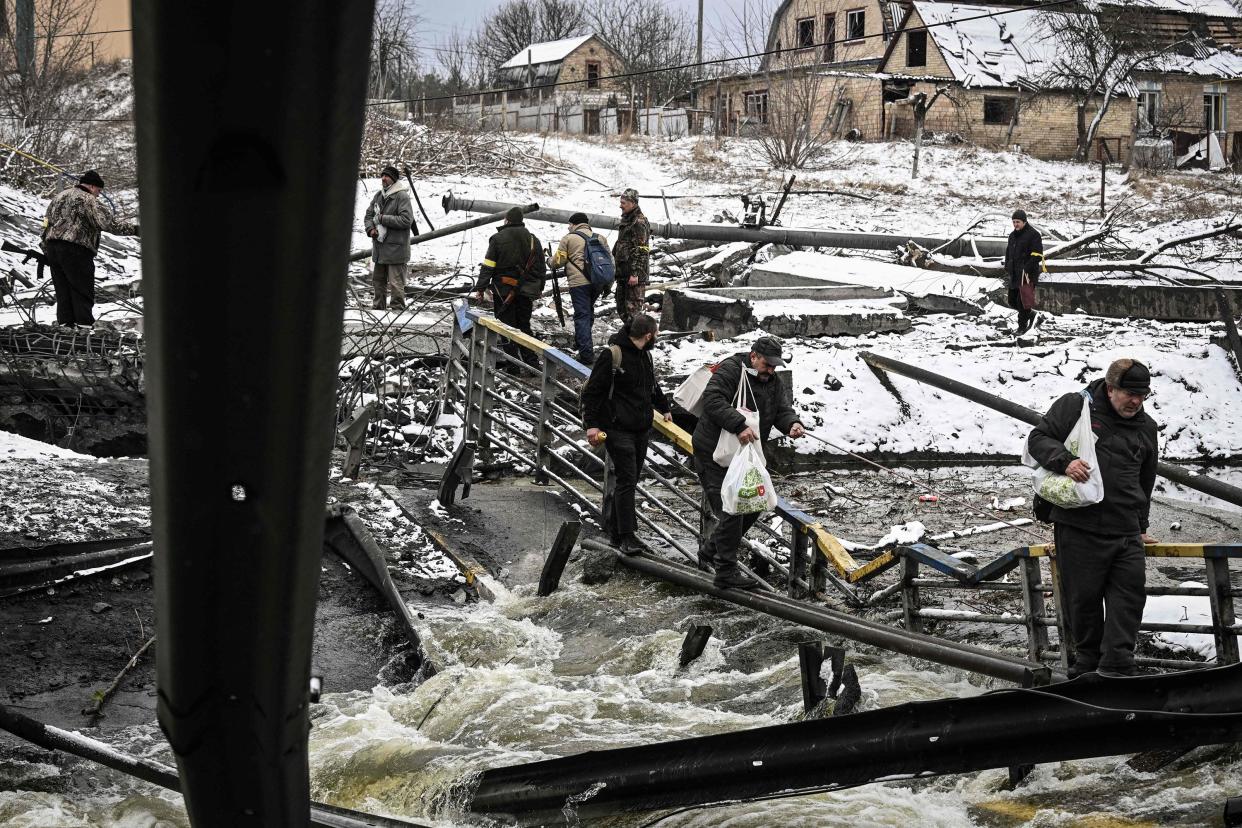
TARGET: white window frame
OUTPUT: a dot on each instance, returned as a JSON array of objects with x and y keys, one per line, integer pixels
[
  {"x": 798, "y": 32},
  {"x": 849, "y": 16},
  {"x": 1149, "y": 105},
  {"x": 1215, "y": 108},
  {"x": 755, "y": 104}
]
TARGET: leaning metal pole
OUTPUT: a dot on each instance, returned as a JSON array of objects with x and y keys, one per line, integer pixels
[
  {"x": 733, "y": 233},
  {"x": 359, "y": 255},
  {"x": 1224, "y": 491},
  {"x": 249, "y": 122}
]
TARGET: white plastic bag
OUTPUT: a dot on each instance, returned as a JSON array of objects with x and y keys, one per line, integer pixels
[
  {"x": 689, "y": 395},
  {"x": 1059, "y": 489},
  {"x": 747, "y": 487},
  {"x": 727, "y": 444}
]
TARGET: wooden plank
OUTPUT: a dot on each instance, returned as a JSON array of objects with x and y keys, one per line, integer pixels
[
  {"x": 941, "y": 561},
  {"x": 831, "y": 548},
  {"x": 677, "y": 435},
  {"x": 525, "y": 340}
]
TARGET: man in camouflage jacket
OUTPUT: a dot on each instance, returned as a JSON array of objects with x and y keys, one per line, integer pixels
[
  {"x": 631, "y": 253},
  {"x": 72, "y": 227}
]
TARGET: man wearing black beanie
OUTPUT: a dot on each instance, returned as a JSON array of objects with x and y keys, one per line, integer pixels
[
  {"x": 71, "y": 229},
  {"x": 1024, "y": 261}
]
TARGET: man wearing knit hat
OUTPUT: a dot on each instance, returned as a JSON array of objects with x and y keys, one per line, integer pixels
[
  {"x": 631, "y": 253},
  {"x": 72, "y": 226},
  {"x": 1099, "y": 548},
  {"x": 1024, "y": 261},
  {"x": 388, "y": 222},
  {"x": 514, "y": 271}
]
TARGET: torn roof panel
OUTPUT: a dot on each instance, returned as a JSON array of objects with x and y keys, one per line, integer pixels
[
  {"x": 553, "y": 50},
  {"x": 1211, "y": 8},
  {"x": 1011, "y": 49}
]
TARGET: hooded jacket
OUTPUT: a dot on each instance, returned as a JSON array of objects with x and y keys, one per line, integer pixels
[
  {"x": 720, "y": 414},
  {"x": 571, "y": 254},
  {"x": 514, "y": 262},
  {"x": 393, "y": 210},
  {"x": 1126, "y": 451},
  {"x": 635, "y": 392}
]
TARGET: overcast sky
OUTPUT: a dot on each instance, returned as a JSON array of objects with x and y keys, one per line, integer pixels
[{"x": 440, "y": 17}]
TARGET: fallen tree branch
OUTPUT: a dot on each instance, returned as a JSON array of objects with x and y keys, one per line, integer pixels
[
  {"x": 1163, "y": 246},
  {"x": 102, "y": 696}
]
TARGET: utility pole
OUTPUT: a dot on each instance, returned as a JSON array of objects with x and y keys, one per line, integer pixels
[{"x": 698, "y": 53}]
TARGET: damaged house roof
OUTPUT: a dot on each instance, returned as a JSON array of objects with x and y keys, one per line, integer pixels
[{"x": 1016, "y": 49}]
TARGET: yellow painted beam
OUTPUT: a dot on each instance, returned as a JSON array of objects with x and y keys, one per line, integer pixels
[
  {"x": 1153, "y": 550},
  {"x": 675, "y": 433},
  {"x": 525, "y": 340},
  {"x": 871, "y": 567},
  {"x": 831, "y": 548}
]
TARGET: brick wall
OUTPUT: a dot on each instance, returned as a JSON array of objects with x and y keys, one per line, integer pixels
[
  {"x": 574, "y": 66},
  {"x": 897, "y": 65},
  {"x": 788, "y": 89},
  {"x": 817, "y": 10}
]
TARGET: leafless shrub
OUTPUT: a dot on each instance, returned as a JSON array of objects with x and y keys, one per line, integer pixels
[{"x": 789, "y": 131}]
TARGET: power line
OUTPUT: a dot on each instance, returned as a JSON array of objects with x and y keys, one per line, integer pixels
[
  {"x": 732, "y": 59},
  {"x": 81, "y": 34}
]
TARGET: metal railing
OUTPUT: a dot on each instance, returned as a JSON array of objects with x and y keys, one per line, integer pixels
[{"x": 525, "y": 413}]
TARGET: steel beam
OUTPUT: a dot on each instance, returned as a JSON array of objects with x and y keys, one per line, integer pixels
[
  {"x": 461, "y": 227},
  {"x": 1224, "y": 491},
  {"x": 1089, "y": 717},
  {"x": 248, "y": 144},
  {"x": 732, "y": 233}
]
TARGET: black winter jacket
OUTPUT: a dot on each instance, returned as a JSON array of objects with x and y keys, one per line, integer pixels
[
  {"x": 719, "y": 412},
  {"x": 1126, "y": 452},
  {"x": 514, "y": 261},
  {"x": 1024, "y": 252},
  {"x": 635, "y": 392}
]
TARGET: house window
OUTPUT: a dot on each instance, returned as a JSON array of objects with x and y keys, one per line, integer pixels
[
  {"x": 998, "y": 110},
  {"x": 806, "y": 33},
  {"x": 1148, "y": 111},
  {"x": 757, "y": 106},
  {"x": 592, "y": 76},
  {"x": 916, "y": 48},
  {"x": 1214, "y": 111},
  {"x": 830, "y": 37},
  {"x": 855, "y": 24}
]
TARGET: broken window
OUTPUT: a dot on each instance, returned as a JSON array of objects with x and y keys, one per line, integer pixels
[
  {"x": 592, "y": 76},
  {"x": 1214, "y": 111},
  {"x": 855, "y": 24},
  {"x": 1148, "y": 111},
  {"x": 757, "y": 106},
  {"x": 916, "y": 48},
  {"x": 830, "y": 35},
  {"x": 806, "y": 33},
  {"x": 998, "y": 110}
]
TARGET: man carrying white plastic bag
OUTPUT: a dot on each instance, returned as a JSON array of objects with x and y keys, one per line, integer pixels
[
  {"x": 722, "y": 537},
  {"x": 747, "y": 488},
  {"x": 1066, "y": 490},
  {"x": 1099, "y": 545}
]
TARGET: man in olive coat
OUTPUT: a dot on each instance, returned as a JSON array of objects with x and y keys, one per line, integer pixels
[
  {"x": 388, "y": 222},
  {"x": 514, "y": 270}
]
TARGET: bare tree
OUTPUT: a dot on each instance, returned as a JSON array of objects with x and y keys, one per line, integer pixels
[
  {"x": 794, "y": 131},
  {"x": 1096, "y": 55},
  {"x": 743, "y": 29},
  {"x": 648, "y": 35},
  {"x": 919, "y": 105},
  {"x": 394, "y": 57},
  {"x": 519, "y": 23},
  {"x": 460, "y": 64}
]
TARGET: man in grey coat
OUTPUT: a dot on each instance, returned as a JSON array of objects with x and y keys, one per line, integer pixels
[{"x": 388, "y": 222}]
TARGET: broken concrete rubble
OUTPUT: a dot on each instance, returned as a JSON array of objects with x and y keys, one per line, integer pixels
[
  {"x": 729, "y": 315},
  {"x": 1129, "y": 299}
]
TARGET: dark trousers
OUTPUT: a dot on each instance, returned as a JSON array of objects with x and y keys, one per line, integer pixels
[
  {"x": 724, "y": 535},
  {"x": 629, "y": 297},
  {"x": 628, "y": 451},
  {"x": 1025, "y": 316},
  {"x": 1102, "y": 579},
  {"x": 73, "y": 279},
  {"x": 583, "y": 297},
  {"x": 516, "y": 314}
]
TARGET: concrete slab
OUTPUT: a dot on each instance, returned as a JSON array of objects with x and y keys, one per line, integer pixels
[
  {"x": 729, "y": 316},
  {"x": 1129, "y": 299},
  {"x": 830, "y": 293}
]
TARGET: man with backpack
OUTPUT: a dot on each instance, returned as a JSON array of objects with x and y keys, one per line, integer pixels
[
  {"x": 589, "y": 270},
  {"x": 617, "y": 404},
  {"x": 514, "y": 269},
  {"x": 719, "y": 550}
]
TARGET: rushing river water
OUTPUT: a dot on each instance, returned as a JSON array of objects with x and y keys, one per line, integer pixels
[{"x": 596, "y": 667}]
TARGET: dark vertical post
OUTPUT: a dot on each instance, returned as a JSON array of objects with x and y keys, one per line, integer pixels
[
  {"x": 797, "y": 560},
  {"x": 694, "y": 644},
  {"x": 910, "y": 595},
  {"x": 251, "y": 136},
  {"x": 543, "y": 434},
  {"x": 1231, "y": 327},
  {"x": 1223, "y": 617},
  {"x": 810, "y": 660},
  {"x": 489, "y": 349},
  {"x": 1033, "y": 607},
  {"x": 558, "y": 556}
]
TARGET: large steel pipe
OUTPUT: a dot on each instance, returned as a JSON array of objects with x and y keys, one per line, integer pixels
[
  {"x": 1207, "y": 485},
  {"x": 963, "y": 656},
  {"x": 359, "y": 255},
  {"x": 1001, "y": 729},
  {"x": 732, "y": 233}
]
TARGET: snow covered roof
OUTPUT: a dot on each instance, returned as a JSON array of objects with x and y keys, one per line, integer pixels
[
  {"x": 549, "y": 52},
  {"x": 1001, "y": 50},
  {"x": 1199, "y": 58},
  {"x": 1211, "y": 8}
]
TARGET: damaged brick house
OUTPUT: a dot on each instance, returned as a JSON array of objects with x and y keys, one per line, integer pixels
[
  {"x": 1002, "y": 91},
  {"x": 862, "y": 61},
  {"x": 573, "y": 89},
  {"x": 829, "y": 51}
]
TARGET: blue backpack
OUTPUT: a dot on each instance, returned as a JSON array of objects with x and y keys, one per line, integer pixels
[{"x": 600, "y": 270}]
